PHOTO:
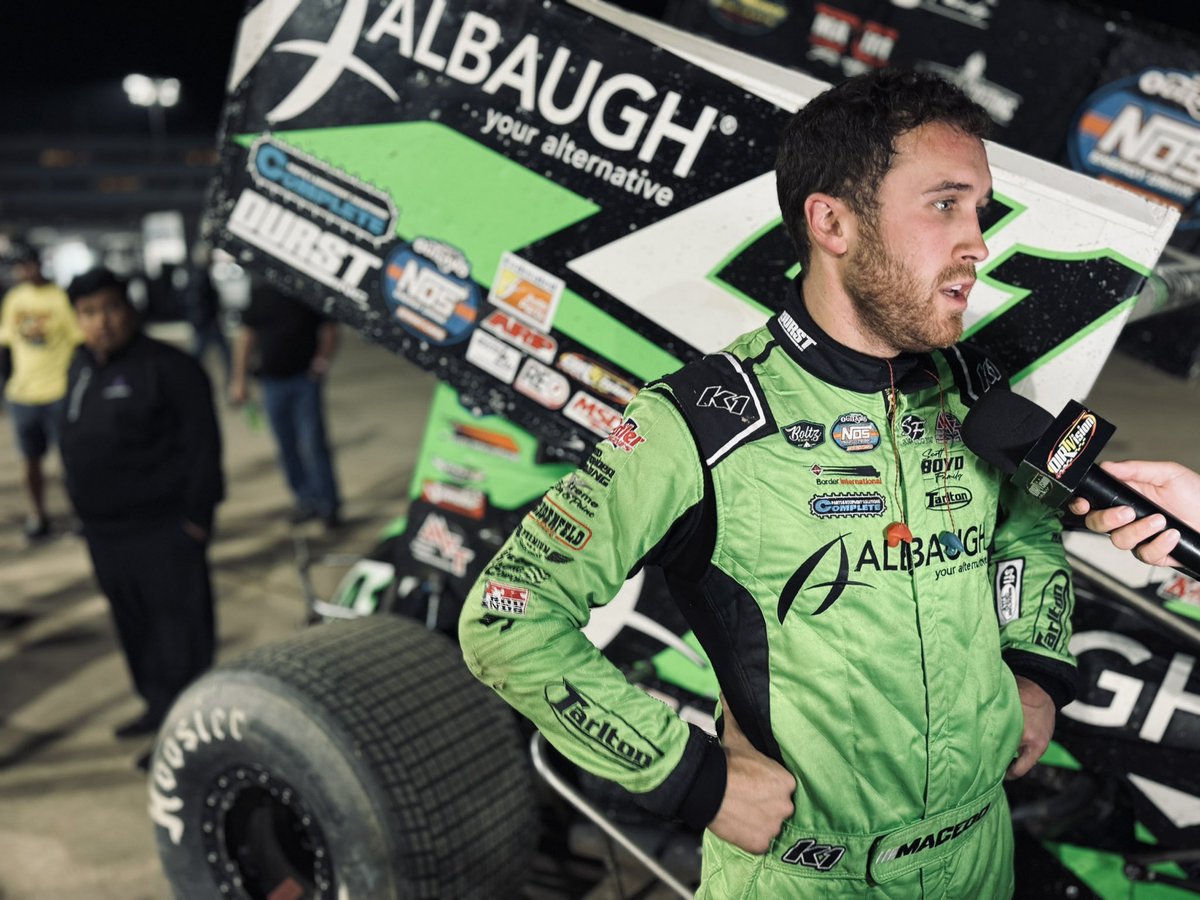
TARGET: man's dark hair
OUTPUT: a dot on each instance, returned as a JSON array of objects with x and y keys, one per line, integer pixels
[
  {"x": 93, "y": 281},
  {"x": 21, "y": 251},
  {"x": 843, "y": 141}
]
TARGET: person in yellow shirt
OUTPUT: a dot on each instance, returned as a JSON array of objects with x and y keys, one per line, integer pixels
[{"x": 39, "y": 332}]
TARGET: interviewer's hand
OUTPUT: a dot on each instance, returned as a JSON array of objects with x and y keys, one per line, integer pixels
[
  {"x": 1038, "y": 710},
  {"x": 1169, "y": 485},
  {"x": 758, "y": 793}
]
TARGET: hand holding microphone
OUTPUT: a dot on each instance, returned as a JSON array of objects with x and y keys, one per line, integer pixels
[
  {"x": 1171, "y": 486},
  {"x": 1053, "y": 459}
]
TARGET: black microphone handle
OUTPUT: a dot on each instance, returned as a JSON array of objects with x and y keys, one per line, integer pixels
[{"x": 1102, "y": 491}]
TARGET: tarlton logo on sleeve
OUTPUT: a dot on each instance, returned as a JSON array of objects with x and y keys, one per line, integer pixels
[
  {"x": 625, "y": 437},
  {"x": 600, "y": 728},
  {"x": 505, "y": 598},
  {"x": 1052, "y": 617}
]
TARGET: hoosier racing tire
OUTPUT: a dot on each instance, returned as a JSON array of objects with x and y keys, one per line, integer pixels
[{"x": 359, "y": 760}]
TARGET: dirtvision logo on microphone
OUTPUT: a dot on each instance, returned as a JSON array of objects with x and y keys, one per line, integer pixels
[{"x": 1054, "y": 467}]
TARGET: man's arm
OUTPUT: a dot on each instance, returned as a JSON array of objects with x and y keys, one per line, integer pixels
[
  {"x": 243, "y": 348},
  {"x": 199, "y": 441},
  {"x": 327, "y": 342},
  {"x": 1171, "y": 486},
  {"x": 520, "y": 625}
]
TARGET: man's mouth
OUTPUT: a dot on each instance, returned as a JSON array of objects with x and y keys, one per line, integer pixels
[{"x": 958, "y": 290}]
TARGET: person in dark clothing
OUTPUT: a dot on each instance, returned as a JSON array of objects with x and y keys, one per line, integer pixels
[
  {"x": 294, "y": 344},
  {"x": 202, "y": 305},
  {"x": 142, "y": 453}
]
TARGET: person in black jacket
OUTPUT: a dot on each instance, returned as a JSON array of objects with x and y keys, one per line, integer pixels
[{"x": 141, "y": 450}]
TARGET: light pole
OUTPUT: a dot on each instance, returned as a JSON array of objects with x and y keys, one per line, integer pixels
[{"x": 156, "y": 94}]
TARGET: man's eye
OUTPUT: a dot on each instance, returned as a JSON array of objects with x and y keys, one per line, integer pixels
[{"x": 943, "y": 205}]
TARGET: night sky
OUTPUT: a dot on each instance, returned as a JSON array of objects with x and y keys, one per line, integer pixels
[{"x": 63, "y": 60}]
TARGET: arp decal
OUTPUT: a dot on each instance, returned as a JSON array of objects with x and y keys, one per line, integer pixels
[
  {"x": 1144, "y": 131},
  {"x": 429, "y": 290},
  {"x": 521, "y": 336}
]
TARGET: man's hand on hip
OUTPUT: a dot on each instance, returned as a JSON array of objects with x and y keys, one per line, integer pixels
[
  {"x": 758, "y": 793},
  {"x": 1038, "y": 709}
]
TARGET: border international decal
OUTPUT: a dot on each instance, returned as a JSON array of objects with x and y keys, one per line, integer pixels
[
  {"x": 1143, "y": 132},
  {"x": 427, "y": 285}
]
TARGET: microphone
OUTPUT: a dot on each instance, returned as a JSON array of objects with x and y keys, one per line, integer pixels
[{"x": 1054, "y": 459}]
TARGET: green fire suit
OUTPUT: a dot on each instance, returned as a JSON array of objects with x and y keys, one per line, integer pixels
[{"x": 763, "y": 480}]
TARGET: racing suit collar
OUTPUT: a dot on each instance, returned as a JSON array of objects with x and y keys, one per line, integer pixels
[{"x": 815, "y": 351}]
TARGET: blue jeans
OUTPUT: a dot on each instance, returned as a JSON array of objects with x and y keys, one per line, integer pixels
[{"x": 295, "y": 411}]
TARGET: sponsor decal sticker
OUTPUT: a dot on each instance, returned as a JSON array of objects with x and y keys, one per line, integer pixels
[
  {"x": 924, "y": 842},
  {"x": 542, "y": 385},
  {"x": 462, "y": 501},
  {"x": 601, "y": 380},
  {"x": 526, "y": 291},
  {"x": 845, "y": 475},
  {"x": 752, "y": 17},
  {"x": 576, "y": 493},
  {"x": 804, "y": 434},
  {"x": 441, "y": 545},
  {"x": 855, "y": 433},
  {"x": 1072, "y": 443},
  {"x": 1001, "y": 103},
  {"x": 494, "y": 356},
  {"x": 912, "y": 429},
  {"x": 947, "y": 429},
  {"x": 428, "y": 288},
  {"x": 976, "y": 13},
  {"x": 322, "y": 191},
  {"x": 561, "y": 525},
  {"x": 625, "y": 436},
  {"x": 1144, "y": 132},
  {"x": 597, "y": 417},
  {"x": 484, "y": 439},
  {"x": 1009, "y": 573},
  {"x": 813, "y": 855},
  {"x": 597, "y": 469},
  {"x": 947, "y": 497},
  {"x": 1051, "y": 617},
  {"x": 1180, "y": 587},
  {"x": 521, "y": 336},
  {"x": 844, "y": 41},
  {"x": 717, "y": 397},
  {"x": 600, "y": 728},
  {"x": 505, "y": 598},
  {"x": 847, "y": 506},
  {"x": 457, "y": 472},
  {"x": 324, "y": 256},
  {"x": 795, "y": 333}
]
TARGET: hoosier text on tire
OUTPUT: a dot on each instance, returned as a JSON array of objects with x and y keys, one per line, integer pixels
[{"x": 358, "y": 760}]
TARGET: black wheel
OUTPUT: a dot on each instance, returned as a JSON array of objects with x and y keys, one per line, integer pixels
[{"x": 359, "y": 759}]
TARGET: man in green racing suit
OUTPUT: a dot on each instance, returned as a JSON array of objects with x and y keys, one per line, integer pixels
[{"x": 888, "y": 621}]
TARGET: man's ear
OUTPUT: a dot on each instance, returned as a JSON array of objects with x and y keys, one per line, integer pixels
[{"x": 829, "y": 223}]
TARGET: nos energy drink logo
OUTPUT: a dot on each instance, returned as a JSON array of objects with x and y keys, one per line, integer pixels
[
  {"x": 1143, "y": 132},
  {"x": 429, "y": 290}
]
